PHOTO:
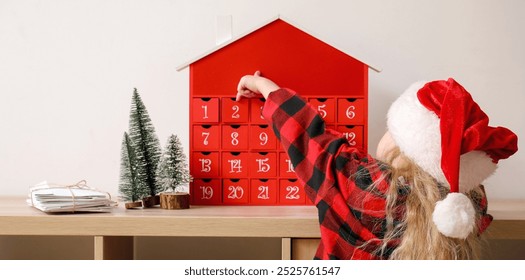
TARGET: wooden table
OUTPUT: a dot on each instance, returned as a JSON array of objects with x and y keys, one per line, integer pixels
[{"x": 113, "y": 232}]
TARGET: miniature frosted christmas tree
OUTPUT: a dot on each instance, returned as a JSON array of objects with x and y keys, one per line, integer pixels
[
  {"x": 172, "y": 171},
  {"x": 146, "y": 146},
  {"x": 131, "y": 189},
  {"x": 172, "y": 174}
]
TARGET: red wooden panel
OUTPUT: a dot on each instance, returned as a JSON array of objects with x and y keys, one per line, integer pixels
[
  {"x": 205, "y": 110},
  {"x": 205, "y": 164},
  {"x": 206, "y": 192},
  {"x": 234, "y": 111},
  {"x": 263, "y": 191},
  {"x": 235, "y": 165},
  {"x": 352, "y": 133},
  {"x": 262, "y": 137},
  {"x": 263, "y": 165},
  {"x": 285, "y": 166},
  {"x": 235, "y": 137},
  {"x": 351, "y": 110},
  {"x": 235, "y": 191},
  {"x": 287, "y": 55},
  {"x": 206, "y": 137},
  {"x": 291, "y": 192},
  {"x": 325, "y": 107},
  {"x": 256, "y": 107}
]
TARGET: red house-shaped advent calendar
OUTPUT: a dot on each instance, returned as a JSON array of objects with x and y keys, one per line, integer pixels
[{"x": 234, "y": 156}]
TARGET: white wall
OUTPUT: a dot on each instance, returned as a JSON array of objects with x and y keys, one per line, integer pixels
[{"x": 68, "y": 69}]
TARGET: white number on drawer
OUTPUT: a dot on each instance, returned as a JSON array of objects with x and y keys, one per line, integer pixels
[
  {"x": 205, "y": 165},
  {"x": 235, "y": 165},
  {"x": 236, "y": 192},
  {"x": 263, "y": 192},
  {"x": 263, "y": 136},
  {"x": 322, "y": 111},
  {"x": 235, "y": 140},
  {"x": 205, "y": 135},
  {"x": 207, "y": 192},
  {"x": 293, "y": 192},
  {"x": 205, "y": 107},
  {"x": 235, "y": 114},
  {"x": 350, "y": 136},
  {"x": 350, "y": 112}
]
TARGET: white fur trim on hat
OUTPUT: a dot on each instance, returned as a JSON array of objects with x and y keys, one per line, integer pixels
[
  {"x": 454, "y": 216},
  {"x": 416, "y": 131}
]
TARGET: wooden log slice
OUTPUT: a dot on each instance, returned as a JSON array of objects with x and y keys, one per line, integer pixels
[
  {"x": 148, "y": 202},
  {"x": 175, "y": 200},
  {"x": 131, "y": 205}
]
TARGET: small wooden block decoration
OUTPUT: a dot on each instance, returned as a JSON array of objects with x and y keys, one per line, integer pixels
[
  {"x": 175, "y": 200},
  {"x": 131, "y": 205}
]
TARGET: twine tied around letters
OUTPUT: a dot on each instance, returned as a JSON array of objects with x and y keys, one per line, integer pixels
[{"x": 82, "y": 184}]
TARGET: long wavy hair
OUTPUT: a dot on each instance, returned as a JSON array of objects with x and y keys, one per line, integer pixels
[{"x": 419, "y": 237}]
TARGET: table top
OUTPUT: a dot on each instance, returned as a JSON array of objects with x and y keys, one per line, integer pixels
[{"x": 17, "y": 218}]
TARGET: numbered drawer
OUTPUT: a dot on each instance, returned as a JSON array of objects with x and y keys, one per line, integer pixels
[
  {"x": 351, "y": 110},
  {"x": 235, "y": 191},
  {"x": 256, "y": 108},
  {"x": 235, "y": 137},
  {"x": 325, "y": 107},
  {"x": 205, "y": 164},
  {"x": 352, "y": 133},
  {"x": 263, "y": 191},
  {"x": 205, "y": 110},
  {"x": 206, "y": 192},
  {"x": 206, "y": 137},
  {"x": 285, "y": 166},
  {"x": 291, "y": 192},
  {"x": 235, "y": 164},
  {"x": 234, "y": 111},
  {"x": 262, "y": 138},
  {"x": 263, "y": 165}
]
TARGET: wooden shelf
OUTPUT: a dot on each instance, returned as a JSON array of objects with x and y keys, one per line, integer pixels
[
  {"x": 217, "y": 221},
  {"x": 113, "y": 232}
]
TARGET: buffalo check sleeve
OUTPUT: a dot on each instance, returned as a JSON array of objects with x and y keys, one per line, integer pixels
[{"x": 336, "y": 177}]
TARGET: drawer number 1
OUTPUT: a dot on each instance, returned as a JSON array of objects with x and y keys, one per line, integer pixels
[{"x": 205, "y": 108}]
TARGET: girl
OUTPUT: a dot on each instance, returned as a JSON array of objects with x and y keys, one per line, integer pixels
[{"x": 413, "y": 201}]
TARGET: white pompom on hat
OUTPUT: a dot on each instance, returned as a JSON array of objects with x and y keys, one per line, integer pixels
[{"x": 440, "y": 127}]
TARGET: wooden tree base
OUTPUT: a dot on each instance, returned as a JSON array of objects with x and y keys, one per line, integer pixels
[
  {"x": 150, "y": 201},
  {"x": 175, "y": 200},
  {"x": 131, "y": 205}
]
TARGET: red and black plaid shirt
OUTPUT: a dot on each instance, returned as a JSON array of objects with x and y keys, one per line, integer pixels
[{"x": 337, "y": 178}]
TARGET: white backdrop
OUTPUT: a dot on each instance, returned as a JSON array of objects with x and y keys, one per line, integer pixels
[{"x": 68, "y": 69}]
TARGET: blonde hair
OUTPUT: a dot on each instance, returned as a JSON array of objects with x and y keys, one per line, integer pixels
[{"x": 419, "y": 237}]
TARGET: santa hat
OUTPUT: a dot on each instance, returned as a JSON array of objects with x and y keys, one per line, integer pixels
[{"x": 440, "y": 127}]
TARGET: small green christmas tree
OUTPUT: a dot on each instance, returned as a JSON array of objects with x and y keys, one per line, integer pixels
[
  {"x": 145, "y": 142},
  {"x": 130, "y": 188},
  {"x": 173, "y": 168}
]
